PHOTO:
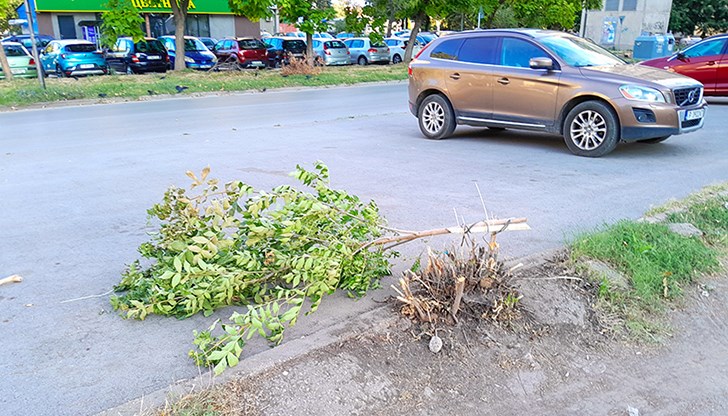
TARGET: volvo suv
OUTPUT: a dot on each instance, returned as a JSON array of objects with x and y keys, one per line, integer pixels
[{"x": 548, "y": 81}]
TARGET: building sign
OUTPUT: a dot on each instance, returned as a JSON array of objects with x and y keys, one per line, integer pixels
[
  {"x": 609, "y": 29},
  {"x": 146, "y": 6}
]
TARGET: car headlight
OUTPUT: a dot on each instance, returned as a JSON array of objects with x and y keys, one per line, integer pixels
[
  {"x": 189, "y": 60},
  {"x": 213, "y": 58},
  {"x": 637, "y": 93}
]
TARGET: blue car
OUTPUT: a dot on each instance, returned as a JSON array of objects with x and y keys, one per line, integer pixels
[
  {"x": 68, "y": 58},
  {"x": 197, "y": 56}
]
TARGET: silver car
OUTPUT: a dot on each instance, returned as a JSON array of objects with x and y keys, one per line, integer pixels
[
  {"x": 397, "y": 47},
  {"x": 363, "y": 51},
  {"x": 331, "y": 52}
]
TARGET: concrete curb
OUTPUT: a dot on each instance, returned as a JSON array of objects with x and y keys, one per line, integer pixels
[{"x": 374, "y": 320}]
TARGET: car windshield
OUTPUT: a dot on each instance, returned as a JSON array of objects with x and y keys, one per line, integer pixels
[
  {"x": 251, "y": 44},
  {"x": 194, "y": 45},
  {"x": 14, "y": 50},
  {"x": 80, "y": 48},
  {"x": 579, "y": 52},
  {"x": 150, "y": 46}
]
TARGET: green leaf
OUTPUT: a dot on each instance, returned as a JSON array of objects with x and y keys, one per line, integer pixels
[{"x": 176, "y": 279}]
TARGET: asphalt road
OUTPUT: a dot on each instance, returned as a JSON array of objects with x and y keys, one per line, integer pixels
[{"x": 75, "y": 183}]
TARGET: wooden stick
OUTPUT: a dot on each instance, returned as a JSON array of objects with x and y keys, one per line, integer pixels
[
  {"x": 11, "y": 279},
  {"x": 459, "y": 288}
]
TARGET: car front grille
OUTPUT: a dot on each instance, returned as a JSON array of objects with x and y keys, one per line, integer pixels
[
  {"x": 688, "y": 96},
  {"x": 690, "y": 123}
]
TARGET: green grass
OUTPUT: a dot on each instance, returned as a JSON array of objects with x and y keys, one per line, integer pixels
[
  {"x": 23, "y": 92},
  {"x": 658, "y": 263}
]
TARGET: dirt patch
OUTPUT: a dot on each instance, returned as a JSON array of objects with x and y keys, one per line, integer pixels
[{"x": 556, "y": 359}]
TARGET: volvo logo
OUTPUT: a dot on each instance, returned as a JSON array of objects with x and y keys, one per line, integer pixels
[{"x": 691, "y": 97}]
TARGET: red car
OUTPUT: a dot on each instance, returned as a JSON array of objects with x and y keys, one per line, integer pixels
[
  {"x": 247, "y": 52},
  {"x": 706, "y": 61}
]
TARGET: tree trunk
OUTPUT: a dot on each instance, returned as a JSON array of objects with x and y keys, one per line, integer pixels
[
  {"x": 309, "y": 49},
  {"x": 390, "y": 20},
  {"x": 179, "y": 10},
  {"x": 5, "y": 65},
  {"x": 413, "y": 37}
]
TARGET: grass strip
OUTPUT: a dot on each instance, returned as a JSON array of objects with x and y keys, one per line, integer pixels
[
  {"x": 657, "y": 262},
  {"x": 23, "y": 92}
]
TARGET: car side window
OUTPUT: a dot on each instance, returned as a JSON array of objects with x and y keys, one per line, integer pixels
[
  {"x": 447, "y": 50},
  {"x": 482, "y": 50},
  {"x": 357, "y": 44},
  {"x": 218, "y": 45},
  {"x": 518, "y": 52},
  {"x": 347, "y": 43},
  {"x": 709, "y": 48},
  {"x": 128, "y": 45}
]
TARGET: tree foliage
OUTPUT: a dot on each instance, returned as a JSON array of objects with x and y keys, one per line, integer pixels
[
  {"x": 268, "y": 251},
  {"x": 358, "y": 20},
  {"x": 121, "y": 18},
  {"x": 704, "y": 16},
  {"x": 309, "y": 16}
]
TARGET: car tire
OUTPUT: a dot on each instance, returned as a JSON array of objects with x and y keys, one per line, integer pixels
[
  {"x": 59, "y": 72},
  {"x": 396, "y": 59},
  {"x": 436, "y": 117},
  {"x": 362, "y": 60},
  {"x": 128, "y": 70},
  {"x": 591, "y": 129},
  {"x": 656, "y": 140}
]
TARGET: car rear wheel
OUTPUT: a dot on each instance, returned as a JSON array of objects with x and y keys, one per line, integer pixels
[
  {"x": 591, "y": 129},
  {"x": 436, "y": 118},
  {"x": 396, "y": 59},
  {"x": 128, "y": 70},
  {"x": 362, "y": 60},
  {"x": 656, "y": 140},
  {"x": 59, "y": 72}
]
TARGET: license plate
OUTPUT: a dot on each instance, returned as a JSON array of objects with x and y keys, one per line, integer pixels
[
  {"x": 154, "y": 57},
  {"x": 86, "y": 66},
  {"x": 205, "y": 66},
  {"x": 18, "y": 70},
  {"x": 256, "y": 63},
  {"x": 694, "y": 114}
]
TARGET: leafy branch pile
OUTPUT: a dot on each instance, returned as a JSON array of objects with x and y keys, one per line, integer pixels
[{"x": 269, "y": 251}]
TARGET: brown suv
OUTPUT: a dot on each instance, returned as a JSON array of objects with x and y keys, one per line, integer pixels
[{"x": 548, "y": 81}]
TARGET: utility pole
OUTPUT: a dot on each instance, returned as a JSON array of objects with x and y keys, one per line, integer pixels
[{"x": 31, "y": 24}]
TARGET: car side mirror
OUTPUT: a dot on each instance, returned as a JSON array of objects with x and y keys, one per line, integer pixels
[
  {"x": 680, "y": 56},
  {"x": 541, "y": 63}
]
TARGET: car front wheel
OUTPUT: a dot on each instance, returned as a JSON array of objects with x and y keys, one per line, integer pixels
[
  {"x": 591, "y": 129},
  {"x": 436, "y": 117},
  {"x": 59, "y": 72},
  {"x": 362, "y": 60}
]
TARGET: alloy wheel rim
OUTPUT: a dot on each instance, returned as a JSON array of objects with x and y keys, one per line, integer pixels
[
  {"x": 588, "y": 130},
  {"x": 433, "y": 117}
]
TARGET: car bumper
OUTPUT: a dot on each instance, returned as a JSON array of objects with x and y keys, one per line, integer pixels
[
  {"x": 149, "y": 66},
  {"x": 200, "y": 66},
  {"x": 339, "y": 60},
  {"x": 254, "y": 63},
  {"x": 378, "y": 58},
  {"x": 669, "y": 120}
]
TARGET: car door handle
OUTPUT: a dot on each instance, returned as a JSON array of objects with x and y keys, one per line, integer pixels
[
  {"x": 504, "y": 81},
  {"x": 711, "y": 63},
  {"x": 455, "y": 76}
]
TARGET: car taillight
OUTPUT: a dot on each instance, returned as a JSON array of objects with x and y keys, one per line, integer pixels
[
  {"x": 135, "y": 58},
  {"x": 31, "y": 62},
  {"x": 409, "y": 69},
  {"x": 64, "y": 56},
  {"x": 166, "y": 58},
  {"x": 372, "y": 50}
]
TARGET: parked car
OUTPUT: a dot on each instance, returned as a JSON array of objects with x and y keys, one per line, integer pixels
[
  {"x": 363, "y": 51},
  {"x": 426, "y": 37},
  {"x": 209, "y": 42},
  {"x": 295, "y": 34},
  {"x": 282, "y": 49},
  {"x": 72, "y": 57},
  {"x": 22, "y": 64},
  {"x": 148, "y": 55},
  {"x": 548, "y": 81},
  {"x": 331, "y": 52},
  {"x": 41, "y": 41},
  {"x": 247, "y": 52},
  {"x": 397, "y": 47},
  {"x": 345, "y": 35},
  {"x": 197, "y": 56},
  {"x": 402, "y": 33},
  {"x": 705, "y": 61}
]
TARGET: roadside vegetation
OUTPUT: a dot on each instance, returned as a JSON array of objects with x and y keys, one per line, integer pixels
[
  {"x": 657, "y": 263},
  {"x": 24, "y": 92}
]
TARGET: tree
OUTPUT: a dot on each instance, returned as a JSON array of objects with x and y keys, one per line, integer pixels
[
  {"x": 4, "y": 11},
  {"x": 179, "y": 11},
  {"x": 705, "y": 16},
  {"x": 358, "y": 19},
  {"x": 120, "y": 19},
  {"x": 309, "y": 16}
]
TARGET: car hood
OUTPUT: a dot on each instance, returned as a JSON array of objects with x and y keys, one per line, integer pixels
[{"x": 638, "y": 74}]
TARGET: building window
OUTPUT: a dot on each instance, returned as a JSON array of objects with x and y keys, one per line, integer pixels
[
  {"x": 629, "y": 5},
  {"x": 198, "y": 25},
  {"x": 611, "y": 5}
]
